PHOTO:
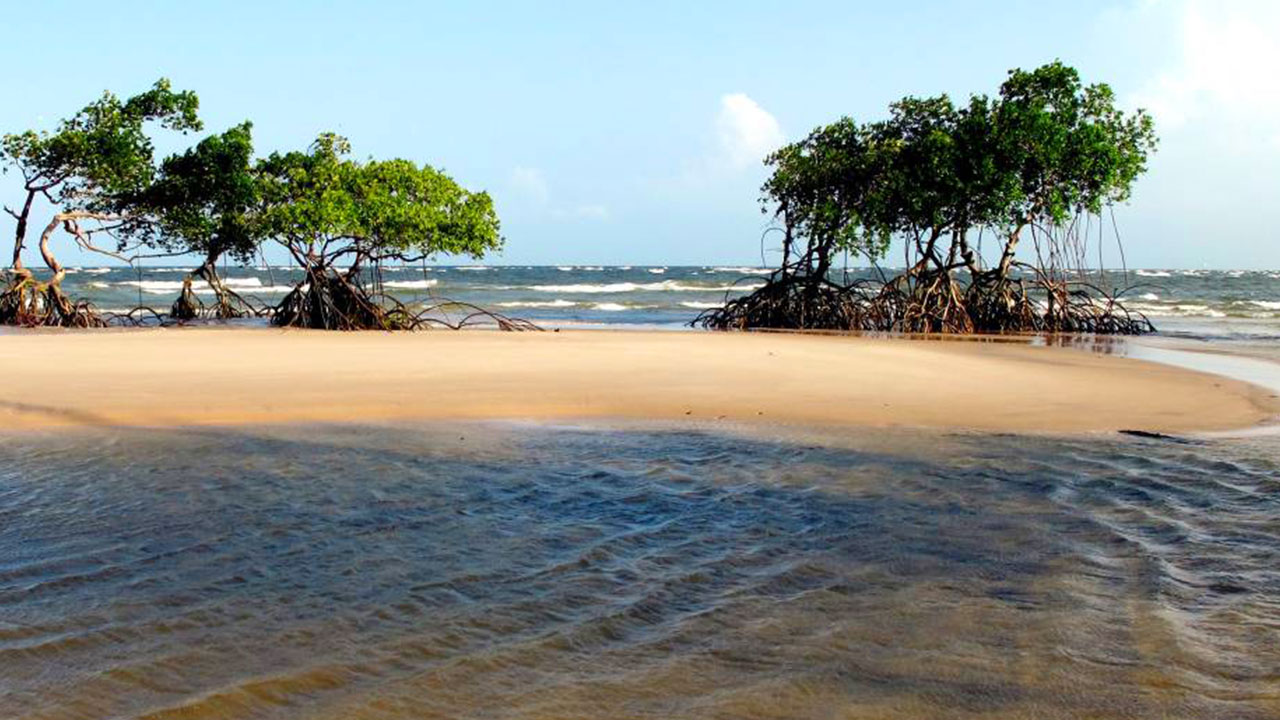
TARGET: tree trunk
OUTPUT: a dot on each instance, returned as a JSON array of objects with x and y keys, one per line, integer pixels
[
  {"x": 58, "y": 306},
  {"x": 227, "y": 305},
  {"x": 20, "y": 234}
]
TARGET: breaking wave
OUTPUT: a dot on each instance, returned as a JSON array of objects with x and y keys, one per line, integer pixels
[
  {"x": 411, "y": 284},
  {"x": 537, "y": 304},
  {"x": 623, "y": 287}
]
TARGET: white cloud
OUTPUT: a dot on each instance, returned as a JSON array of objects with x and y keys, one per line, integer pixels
[
  {"x": 1228, "y": 72},
  {"x": 593, "y": 212},
  {"x": 530, "y": 183},
  {"x": 747, "y": 131},
  {"x": 533, "y": 186},
  {"x": 582, "y": 212}
]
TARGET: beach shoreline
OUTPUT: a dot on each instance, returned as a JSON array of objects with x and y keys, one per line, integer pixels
[{"x": 220, "y": 376}]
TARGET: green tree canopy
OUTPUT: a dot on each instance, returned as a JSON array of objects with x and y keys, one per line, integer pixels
[
  {"x": 324, "y": 206},
  {"x": 1046, "y": 148},
  {"x": 205, "y": 199},
  {"x": 102, "y": 154}
]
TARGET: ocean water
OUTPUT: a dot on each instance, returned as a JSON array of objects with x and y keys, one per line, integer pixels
[
  {"x": 1193, "y": 303},
  {"x": 497, "y": 570}
]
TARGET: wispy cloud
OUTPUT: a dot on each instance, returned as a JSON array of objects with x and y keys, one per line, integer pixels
[
  {"x": 586, "y": 212},
  {"x": 1226, "y": 73},
  {"x": 531, "y": 185},
  {"x": 738, "y": 136},
  {"x": 747, "y": 131}
]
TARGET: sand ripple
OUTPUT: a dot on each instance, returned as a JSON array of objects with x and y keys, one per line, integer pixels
[{"x": 514, "y": 572}]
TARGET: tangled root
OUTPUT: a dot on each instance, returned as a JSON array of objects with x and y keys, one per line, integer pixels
[
  {"x": 187, "y": 306},
  {"x": 328, "y": 300},
  {"x": 471, "y": 315},
  {"x": 28, "y": 303},
  {"x": 789, "y": 302},
  {"x": 227, "y": 305},
  {"x": 928, "y": 301}
]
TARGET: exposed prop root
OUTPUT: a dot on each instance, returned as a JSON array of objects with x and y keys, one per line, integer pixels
[
  {"x": 187, "y": 306},
  {"x": 928, "y": 300},
  {"x": 788, "y": 302},
  {"x": 141, "y": 316},
  {"x": 28, "y": 303},
  {"x": 329, "y": 300},
  {"x": 333, "y": 302},
  {"x": 326, "y": 300},
  {"x": 227, "y": 304},
  {"x": 473, "y": 315}
]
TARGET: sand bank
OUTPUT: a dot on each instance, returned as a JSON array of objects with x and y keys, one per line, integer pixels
[{"x": 187, "y": 376}]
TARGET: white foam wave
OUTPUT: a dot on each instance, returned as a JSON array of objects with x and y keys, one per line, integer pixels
[
  {"x": 624, "y": 287},
  {"x": 701, "y": 305},
  {"x": 1178, "y": 310},
  {"x": 538, "y": 303},
  {"x": 657, "y": 271},
  {"x": 743, "y": 270},
  {"x": 153, "y": 286},
  {"x": 412, "y": 284},
  {"x": 166, "y": 287},
  {"x": 474, "y": 268},
  {"x": 1153, "y": 273},
  {"x": 610, "y": 307}
]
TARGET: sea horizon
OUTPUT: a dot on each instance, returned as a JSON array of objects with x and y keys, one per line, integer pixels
[{"x": 1223, "y": 305}]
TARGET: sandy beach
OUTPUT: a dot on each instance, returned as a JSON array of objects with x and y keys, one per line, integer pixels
[{"x": 195, "y": 376}]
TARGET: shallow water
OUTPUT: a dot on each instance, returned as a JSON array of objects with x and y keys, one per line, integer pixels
[{"x": 508, "y": 571}]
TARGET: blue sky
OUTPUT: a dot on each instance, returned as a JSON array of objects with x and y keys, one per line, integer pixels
[{"x": 632, "y": 134}]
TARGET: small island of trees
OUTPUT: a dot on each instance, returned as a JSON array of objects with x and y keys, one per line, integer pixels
[
  {"x": 1039, "y": 164},
  {"x": 337, "y": 217}
]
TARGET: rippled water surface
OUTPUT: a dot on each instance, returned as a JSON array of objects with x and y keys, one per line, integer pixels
[
  {"x": 1217, "y": 304},
  {"x": 504, "y": 571}
]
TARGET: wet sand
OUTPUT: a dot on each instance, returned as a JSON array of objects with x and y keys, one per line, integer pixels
[{"x": 200, "y": 376}]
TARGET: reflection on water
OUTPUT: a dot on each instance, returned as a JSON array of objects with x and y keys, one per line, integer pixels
[{"x": 501, "y": 571}]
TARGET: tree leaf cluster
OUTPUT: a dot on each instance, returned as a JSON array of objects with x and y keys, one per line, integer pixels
[
  {"x": 97, "y": 169},
  {"x": 1045, "y": 148},
  {"x": 323, "y": 205}
]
